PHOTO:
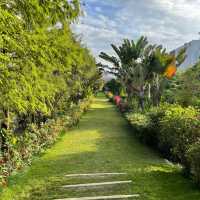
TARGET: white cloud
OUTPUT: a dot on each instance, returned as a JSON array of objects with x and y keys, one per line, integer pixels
[
  {"x": 180, "y": 8},
  {"x": 167, "y": 22},
  {"x": 98, "y": 9}
]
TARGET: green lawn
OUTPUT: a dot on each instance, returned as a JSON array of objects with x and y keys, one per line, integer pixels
[{"x": 102, "y": 142}]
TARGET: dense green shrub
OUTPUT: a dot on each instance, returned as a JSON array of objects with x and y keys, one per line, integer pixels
[
  {"x": 140, "y": 122},
  {"x": 155, "y": 115},
  {"x": 174, "y": 131},
  {"x": 193, "y": 156},
  {"x": 21, "y": 147},
  {"x": 179, "y": 128},
  {"x": 113, "y": 86},
  {"x": 46, "y": 73}
]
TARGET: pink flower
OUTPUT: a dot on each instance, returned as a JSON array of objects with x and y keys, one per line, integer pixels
[{"x": 117, "y": 100}]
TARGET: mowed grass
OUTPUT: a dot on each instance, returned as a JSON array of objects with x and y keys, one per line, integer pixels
[{"x": 102, "y": 142}]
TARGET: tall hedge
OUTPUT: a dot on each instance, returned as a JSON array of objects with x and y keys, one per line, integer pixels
[
  {"x": 44, "y": 69},
  {"x": 42, "y": 64}
]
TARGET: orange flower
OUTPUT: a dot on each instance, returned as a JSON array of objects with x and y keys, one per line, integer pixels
[{"x": 170, "y": 71}]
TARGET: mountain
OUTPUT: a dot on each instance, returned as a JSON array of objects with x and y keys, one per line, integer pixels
[{"x": 193, "y": 53}]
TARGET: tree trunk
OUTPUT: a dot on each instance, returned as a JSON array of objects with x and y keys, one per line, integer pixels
[
  {"x": 3, "y": 145},
  {"x": 141, "y": 98},
  {"x": 4, "y": 126},
  {"x": 149, "y": 91},
  {"x": 6, "y": 118},
  {"x": 156, "y": 95}
]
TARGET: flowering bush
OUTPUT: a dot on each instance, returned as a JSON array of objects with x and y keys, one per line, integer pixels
[{"x": 117, "y": 100}]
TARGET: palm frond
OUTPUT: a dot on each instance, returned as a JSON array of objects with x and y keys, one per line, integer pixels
[
  {"x": 110, "y": 59},
  {"x": 181, "y": 56}
]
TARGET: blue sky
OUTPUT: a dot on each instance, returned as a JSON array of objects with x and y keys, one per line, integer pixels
[{"x": 167, "y": 22}]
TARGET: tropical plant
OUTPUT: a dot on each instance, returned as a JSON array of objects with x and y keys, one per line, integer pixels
[
  {"x": 113, "y": 86},
  {"x": 140, "y": 65}
]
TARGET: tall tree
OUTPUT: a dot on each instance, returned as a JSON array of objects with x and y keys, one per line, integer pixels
[{"x": 42, "y": 65}]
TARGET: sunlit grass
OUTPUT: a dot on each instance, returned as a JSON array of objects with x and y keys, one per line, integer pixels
[{"x": 102, "y": 142}]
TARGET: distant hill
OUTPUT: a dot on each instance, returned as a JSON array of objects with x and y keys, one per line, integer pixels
[{"x": 193, "y": 53}]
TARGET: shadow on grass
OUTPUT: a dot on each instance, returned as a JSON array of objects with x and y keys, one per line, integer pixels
[
  {"x": 152, "y": 182},
  {"x": 152, "y": 178}
]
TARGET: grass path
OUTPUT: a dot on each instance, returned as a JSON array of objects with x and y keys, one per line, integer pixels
[{"x": 102, "y": 142}]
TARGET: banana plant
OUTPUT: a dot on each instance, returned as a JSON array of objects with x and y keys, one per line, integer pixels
[{"x": 139, "y": 66}]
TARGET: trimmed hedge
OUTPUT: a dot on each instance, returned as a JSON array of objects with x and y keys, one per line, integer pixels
[{"x": 174, "y": 131}]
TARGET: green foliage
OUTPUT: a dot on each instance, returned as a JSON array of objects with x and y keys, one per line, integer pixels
[
  {"x": 113, "y": 86},
  {"x": 42, "y": 66},
  {"x": 180, "y": 58},
  {"x": 184, "y": 88},
  {"x": 179, "y": 128},
  {"x": 140, "y": 123},
  {"x": 138, "y": 120},
  {"x": 172, "y": 129},
  {"x": 45, "y": 72},
  {"x": 42, "y": 13},
  {"x": 21, "y": 148},
  {"x": 193, "y": 156},
  {"x": 140, "y": 67},
  {"x": 112, "y": 147},
  {"x": 189, "y": 88}
]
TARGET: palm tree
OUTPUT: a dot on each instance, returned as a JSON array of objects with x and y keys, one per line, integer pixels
[
  {"x": 139, "y": 65},
  {"x": 126, "y": 62}
]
